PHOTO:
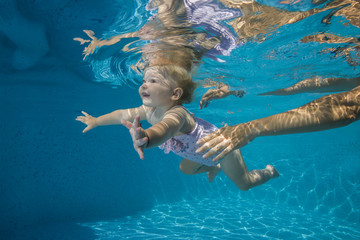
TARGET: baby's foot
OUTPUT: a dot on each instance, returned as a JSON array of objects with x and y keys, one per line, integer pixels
[
  {"x": 213, "y": 172},
  {"x": 273, "y": 171}
]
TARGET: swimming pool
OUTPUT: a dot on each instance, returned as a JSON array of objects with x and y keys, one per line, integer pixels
[{"x": 57, "y": 183}]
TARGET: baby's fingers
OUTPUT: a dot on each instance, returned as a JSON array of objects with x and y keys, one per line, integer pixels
[
  {"x": 138, "y": 146},
  {"x": 87, "y": 129},
  {"x": 86, "y": 114},
  {"x": 136, "y": 121},
  {"x": 82, "y": 41},
  {"x": 79, "y": 40},
  {"x": 90, "y": 33},
  {"x": 85, "y": 56},
  {"x": 80, "y": 119},
  {"x": 141, "y": 142},
  {"x": 140, "y": 151},
  {"x": 136, "y": 126},
  {"x": 127, "y": 124}
]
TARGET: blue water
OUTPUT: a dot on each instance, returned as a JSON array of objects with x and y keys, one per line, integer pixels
[{"x": 57, "y": 183}]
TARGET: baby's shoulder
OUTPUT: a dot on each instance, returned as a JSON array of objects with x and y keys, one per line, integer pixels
[
  {"x": 180, "y": 111},
  {"x": 184, "y": 116}
]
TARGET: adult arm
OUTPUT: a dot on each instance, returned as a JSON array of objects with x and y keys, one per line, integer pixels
[
  {"x": 218, "y": 93},
  {"x": 317, "y": 85},
  {"x": 331, "y": 111}
]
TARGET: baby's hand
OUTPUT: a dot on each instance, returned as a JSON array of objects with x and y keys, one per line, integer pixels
[
  {"x": 94, "y": 42},
  {"x": 89, "y": 120},
  {"x": 137, "y": 134}
]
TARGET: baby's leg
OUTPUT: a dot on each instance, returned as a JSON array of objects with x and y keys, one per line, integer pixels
[
  {"x": 234, "y": 168},
  {"x": 190, "y": 168}
]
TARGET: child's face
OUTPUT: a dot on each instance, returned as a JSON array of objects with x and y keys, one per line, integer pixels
[{"x": 156, "y": 91}]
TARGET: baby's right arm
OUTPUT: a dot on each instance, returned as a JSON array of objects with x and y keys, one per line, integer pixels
[
  {"x": 169, "y": 126},
  {"x": 113, "y": 118}
]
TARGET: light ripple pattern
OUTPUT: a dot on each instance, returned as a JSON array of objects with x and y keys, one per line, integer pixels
[{"x": 223, "y": 218}]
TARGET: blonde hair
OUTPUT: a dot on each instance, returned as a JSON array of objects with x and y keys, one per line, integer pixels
[{"x": 181, "y": 77}]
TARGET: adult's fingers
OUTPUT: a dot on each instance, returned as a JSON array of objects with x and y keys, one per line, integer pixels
[
  {"x": 206, "y": 104},
  {"x": 210, "y": 144},
  {"x": 201, "y": 104},
  {"x": 223, "y": 153},
  {"x": 208, "y": 137},
  {"x": 216, "y": 148}
]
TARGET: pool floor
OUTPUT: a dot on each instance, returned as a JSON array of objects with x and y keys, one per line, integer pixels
[
  {"x": 224, "y": 219},
  {"x": 217, "y": 218}
]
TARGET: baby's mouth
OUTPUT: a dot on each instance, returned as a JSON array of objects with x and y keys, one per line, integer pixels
[{"x": 145, "y": 95}]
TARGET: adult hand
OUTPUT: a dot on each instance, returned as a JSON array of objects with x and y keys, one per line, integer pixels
[
  {"x": 137, "y": 134},
  {"x": 213, "y": 94},
  {"x": 87, "y": 119},
  {"x": 226, "y": 139}
]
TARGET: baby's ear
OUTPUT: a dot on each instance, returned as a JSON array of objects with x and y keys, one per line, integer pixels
[{"x": 178, "y": 92}]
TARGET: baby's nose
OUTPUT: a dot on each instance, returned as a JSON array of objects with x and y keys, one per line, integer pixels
[{"x": 144, "y": 86}]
